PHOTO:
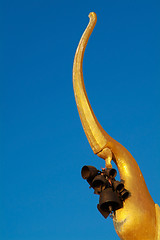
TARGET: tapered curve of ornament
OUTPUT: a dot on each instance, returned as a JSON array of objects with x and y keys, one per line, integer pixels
[{"x": 139, "y": 218}]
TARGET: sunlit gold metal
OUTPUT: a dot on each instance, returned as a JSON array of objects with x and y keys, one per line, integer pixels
[{"x": 139, "y": 219}]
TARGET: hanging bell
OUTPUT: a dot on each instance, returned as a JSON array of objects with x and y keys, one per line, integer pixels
[
  {"x": 105, "y": 214},
  {"x": 110, "y": 172},
  {"x": 118, "y": 186},
  {"x": 99, "y": 183},
  {"x": 124, "y": 194},
  {"x": 88, "y": 173},
  {"x": 109, "y": 200}
]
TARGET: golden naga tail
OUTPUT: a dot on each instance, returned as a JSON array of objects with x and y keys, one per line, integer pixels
[{"x": 137, "y": 220}]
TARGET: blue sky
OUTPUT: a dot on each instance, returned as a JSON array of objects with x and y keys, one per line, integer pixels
[{"x": 43, "y": 146}]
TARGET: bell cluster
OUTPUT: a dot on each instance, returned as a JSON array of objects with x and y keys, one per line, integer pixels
[{"x": 112, "y": 193}]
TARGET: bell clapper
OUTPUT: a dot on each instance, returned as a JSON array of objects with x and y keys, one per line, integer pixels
[
  {"x": 112, "y": 214},
  {"x": 110, "y": 208}
]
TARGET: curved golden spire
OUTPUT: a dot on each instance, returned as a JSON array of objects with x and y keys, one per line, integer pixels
[
  {"x": 140, "y": 206},
  {"x": 92, "y": 128}
]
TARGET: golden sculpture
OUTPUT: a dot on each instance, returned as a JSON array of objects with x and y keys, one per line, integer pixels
[{"x": 139, "y": 219}]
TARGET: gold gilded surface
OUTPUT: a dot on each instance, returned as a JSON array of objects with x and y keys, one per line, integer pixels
[
  {"x": 158, "y": 222},
  {"x": 139, "y": 219}
]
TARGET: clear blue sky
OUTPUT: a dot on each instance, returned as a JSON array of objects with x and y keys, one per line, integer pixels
[{"x": 42, "y": 144}]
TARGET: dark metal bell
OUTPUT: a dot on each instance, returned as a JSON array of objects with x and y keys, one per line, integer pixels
[
  {"x": 118, "y": 186},
  {"x": 99, "y": 183},
  {"x": 105, "y": 214},
  {"x": 109, "y": 200},
  {"x": 110, "y": 172},
  {"x": 124, "y": 194},
  {"x": 89, "y": 172}
]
